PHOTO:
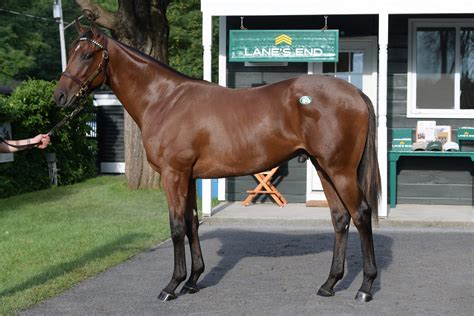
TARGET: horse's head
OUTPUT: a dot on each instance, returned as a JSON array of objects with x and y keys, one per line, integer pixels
[{"x": 86, "y": 67}]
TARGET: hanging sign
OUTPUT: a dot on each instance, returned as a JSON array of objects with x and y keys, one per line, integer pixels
[{"x": 283, "y": 45}]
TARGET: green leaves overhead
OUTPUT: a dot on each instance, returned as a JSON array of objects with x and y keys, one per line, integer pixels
[{"x": 29, "y": 46}]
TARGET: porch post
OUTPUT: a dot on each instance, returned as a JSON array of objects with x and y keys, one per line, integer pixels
[
  {"x": 222, "y": 82},
  {"x": 207, "y": 70},
  {"x": 382, "y": 111}
]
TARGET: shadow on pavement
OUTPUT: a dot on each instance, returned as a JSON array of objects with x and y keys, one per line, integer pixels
[{"x": 240, "y": 244}]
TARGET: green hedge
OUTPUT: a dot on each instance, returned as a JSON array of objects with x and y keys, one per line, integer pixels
[{"x": 31, "y": 110}]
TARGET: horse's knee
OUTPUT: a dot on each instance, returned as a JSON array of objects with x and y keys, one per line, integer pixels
[
  {"x": 340, "y": 220},
  {"x": 178, "y": 229},
  {"x": 363, "y": 215}
]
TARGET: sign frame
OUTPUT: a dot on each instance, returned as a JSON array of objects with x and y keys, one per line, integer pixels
[{"x": 283, "y": 46}]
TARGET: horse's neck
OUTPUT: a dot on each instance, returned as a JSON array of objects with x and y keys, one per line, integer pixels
[{"x": 138, "y": 82}]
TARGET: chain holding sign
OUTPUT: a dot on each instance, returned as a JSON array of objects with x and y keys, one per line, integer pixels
[{"x": 283, "y": 45}]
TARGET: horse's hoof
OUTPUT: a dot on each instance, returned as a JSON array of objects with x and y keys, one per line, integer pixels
[
  {"x": 325, "y": 292},
  {"x": 166, "y": 296},
  {"x": 189, "y": 289},
  {"x": 363, "y": 297}
]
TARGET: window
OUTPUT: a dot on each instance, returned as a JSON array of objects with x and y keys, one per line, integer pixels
[
  {"x": 349, "y": 67},
  {"x": 441, "y": 68}
]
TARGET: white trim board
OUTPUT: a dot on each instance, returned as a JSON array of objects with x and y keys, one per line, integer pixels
[{"x": 341, "y": 7}]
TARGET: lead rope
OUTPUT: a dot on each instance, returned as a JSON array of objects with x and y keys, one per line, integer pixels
[{"x": 66, "y": 119}]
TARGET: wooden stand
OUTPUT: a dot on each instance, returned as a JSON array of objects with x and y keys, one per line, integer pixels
[{"x": 265, "y": 187}]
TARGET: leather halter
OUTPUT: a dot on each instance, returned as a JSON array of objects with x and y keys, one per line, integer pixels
[{"x": 85, "y": 85}]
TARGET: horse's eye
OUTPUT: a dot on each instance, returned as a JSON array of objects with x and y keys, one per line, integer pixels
[{"x": 87, "y": 56}]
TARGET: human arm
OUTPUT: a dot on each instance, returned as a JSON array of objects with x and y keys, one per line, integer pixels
[{"x": 10, "y": 146}]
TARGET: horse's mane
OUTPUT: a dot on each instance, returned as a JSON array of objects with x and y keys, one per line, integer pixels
[
  {"x": 153, "y": 60},
  {"x": 89, "y": 35}
]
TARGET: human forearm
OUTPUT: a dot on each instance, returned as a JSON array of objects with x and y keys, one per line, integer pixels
[{"x": 11, "y": 146}]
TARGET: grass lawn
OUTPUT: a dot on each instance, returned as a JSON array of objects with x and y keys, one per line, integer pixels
[{"x": 51, "y": 239}]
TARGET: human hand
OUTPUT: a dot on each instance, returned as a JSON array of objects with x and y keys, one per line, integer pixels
[{"x": 42, "y": 140}]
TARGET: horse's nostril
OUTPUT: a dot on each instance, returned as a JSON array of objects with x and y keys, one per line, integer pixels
[{"x": 61, "y": 98}]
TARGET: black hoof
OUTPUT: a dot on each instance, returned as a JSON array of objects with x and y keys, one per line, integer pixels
[
  {"x": 166, "y": 296},
  {"x": 363, "y": 297},
  {"x": 325, "y": 292},
  {"x": 189, "y": 289}
]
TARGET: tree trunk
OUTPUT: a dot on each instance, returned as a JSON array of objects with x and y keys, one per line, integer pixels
[{"x": 141, "y": 24}]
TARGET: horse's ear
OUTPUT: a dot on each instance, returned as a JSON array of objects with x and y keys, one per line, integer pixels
[
  {"x": 94, "y": 29},
  {"x": 79, "y": 28}
]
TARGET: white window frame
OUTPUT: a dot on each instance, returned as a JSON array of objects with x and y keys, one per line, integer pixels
[{"x": 412, "y": 111}]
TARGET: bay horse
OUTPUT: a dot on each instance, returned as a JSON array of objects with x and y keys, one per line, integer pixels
[{"x": 195, "y": 129}]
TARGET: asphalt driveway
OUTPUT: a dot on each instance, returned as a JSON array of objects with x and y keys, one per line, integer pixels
[{"x": 275, "y": 269}]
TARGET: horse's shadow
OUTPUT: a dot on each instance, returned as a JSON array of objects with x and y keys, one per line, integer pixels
[{"x": 237, "y": 245}]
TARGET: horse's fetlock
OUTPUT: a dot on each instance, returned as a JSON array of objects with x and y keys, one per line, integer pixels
[
  {"x": 371, "y": 274},
  {"x": 338, "y": 276},
  {"x": 200, "y": 267},
  {"x": 180, "y": 277}
]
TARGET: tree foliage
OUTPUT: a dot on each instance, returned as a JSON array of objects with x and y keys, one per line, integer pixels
[
  {"x": 30, "y": 46},
  {"x": 185, "y": 47}
]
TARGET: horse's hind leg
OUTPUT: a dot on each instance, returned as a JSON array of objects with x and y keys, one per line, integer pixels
[
  {"x": 175, "y": 184},
  {"x": 341, "y": 221},
  {"x": 363, "y": 221},
  {"x": 192, "y": 225},
  {"x": 351, "y": 195}
]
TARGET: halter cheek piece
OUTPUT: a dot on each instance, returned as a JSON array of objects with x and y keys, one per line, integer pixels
[{"x": 85, "y": 85}]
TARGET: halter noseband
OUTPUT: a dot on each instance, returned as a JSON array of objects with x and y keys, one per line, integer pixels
[{"x": 85, "y": 85}]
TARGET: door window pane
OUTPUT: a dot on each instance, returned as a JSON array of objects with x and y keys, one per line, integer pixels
[
  {"x": 467, "y": 68},
  {"x": 435, "y": 61},
  {"x": 349, "y": 68},
  {"x": 357, "y": 69}
]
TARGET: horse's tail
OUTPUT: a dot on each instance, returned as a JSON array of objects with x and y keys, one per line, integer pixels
[{"x": 368, "y": 173}]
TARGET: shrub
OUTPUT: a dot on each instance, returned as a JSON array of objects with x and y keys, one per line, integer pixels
[{"x": 32, "y": 110}]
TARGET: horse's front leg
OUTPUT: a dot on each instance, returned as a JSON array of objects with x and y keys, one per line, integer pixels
[
  {"x": 192, "y": 225},
  {"x": 175, "y": 184}
]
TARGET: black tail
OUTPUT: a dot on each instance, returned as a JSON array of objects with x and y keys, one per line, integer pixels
[{"x": 368, "y": 174}]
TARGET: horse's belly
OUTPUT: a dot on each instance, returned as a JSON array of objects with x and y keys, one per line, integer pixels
[{"x": 238, "y": 163}]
